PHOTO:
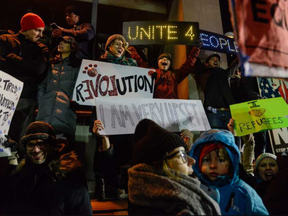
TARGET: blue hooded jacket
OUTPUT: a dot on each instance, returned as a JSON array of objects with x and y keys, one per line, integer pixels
[{"x": 234, "y": 196}]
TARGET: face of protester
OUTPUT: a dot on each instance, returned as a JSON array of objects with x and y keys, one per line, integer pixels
[
  {"x": 64, "y": 47},
  {"x": 214, "y": 165},
  {"x": 267, "y": 169},
  {"x": 72, "y": 19},
  {"x": 178, "y": 160},
  {"x": 117, "y": 48},
  {"x": 38, "y": 150},
  {"x": 214, "y": 62},
  {"x": 164, "y": 64},
  {"x": 34, "y": 34}
]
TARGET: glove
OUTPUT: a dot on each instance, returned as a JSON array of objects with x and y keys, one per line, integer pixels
[{"x": 9, "y": 143}]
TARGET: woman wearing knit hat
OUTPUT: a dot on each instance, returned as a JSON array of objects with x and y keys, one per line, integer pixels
[
  {"x": 266, "y": 166},
  {"x": 115, "y": 49},
  {"x": 167, "y": 79},
  {"x": 158, "y": 183}
]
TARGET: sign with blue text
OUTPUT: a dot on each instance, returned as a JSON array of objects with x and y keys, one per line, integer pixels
[
  {"x": 121, "y": 116},
  {"x": 100, "y": 79},
  {"x": 10, "y": 91}
]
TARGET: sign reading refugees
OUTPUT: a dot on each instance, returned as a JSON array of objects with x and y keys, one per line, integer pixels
[
  {"x": 121, "y": 117},
  {"x": 259, "y": 115},
  {"x": 100, "y": 79},
  {"x": 10, "y": 91},
  {"x": 271, "y": 88},
  {"x": 262, "y": 36}
]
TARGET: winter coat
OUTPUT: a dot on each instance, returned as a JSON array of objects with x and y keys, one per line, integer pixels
[
  {"x": 234, "y": 196},
  {"x": 25, "y": 60},
  {"x": 54, "y": 96},
  {"x": 214, "y": 83},
  {"x": 54, "y": 188},
  {"x": 276, "y": 195},
  {"x": 152, "y": 192},
  {"x": 166, "y": 84}
]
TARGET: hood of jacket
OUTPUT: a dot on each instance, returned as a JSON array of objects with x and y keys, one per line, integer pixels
[
  {"x": 58, "y": 167},
  {"x": 227, "y": 139}
]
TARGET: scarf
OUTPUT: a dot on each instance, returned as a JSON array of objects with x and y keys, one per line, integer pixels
[
  {"x": 150, "y": 187},
  {"x": 119, "y": 60}
]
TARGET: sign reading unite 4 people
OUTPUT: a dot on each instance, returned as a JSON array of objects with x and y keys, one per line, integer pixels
[
  {"x": 10, "y": 91},
  {"x": 100, "y": 79},
  {"x": 121, "y": 116}
]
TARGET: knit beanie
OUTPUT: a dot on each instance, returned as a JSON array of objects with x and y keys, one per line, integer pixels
[
  {"x": 68, "y": 39},
  {"x": 114, "y": 37},
  {"x": 208, "y": 148},
  {"x": 152, "y": 142},
  {"x": 213, "y": 55},
  {"x": 71, "y": 9},
  {"x": 39, "y": 130},
  {"x": 31, "y": 21},
  {"x": 261, "y": 157}
]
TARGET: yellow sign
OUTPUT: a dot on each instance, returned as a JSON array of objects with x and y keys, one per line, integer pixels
[{"x": 259, "y": 115}]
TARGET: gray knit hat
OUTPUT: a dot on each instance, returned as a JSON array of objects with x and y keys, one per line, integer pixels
[
  {"x": 261, "y": 157},
  {"x": 152, "y": 142}
]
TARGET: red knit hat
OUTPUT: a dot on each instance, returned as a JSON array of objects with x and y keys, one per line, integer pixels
[
  {"x": 31, "y": 21},
  {"x": 208, "y": 148}
]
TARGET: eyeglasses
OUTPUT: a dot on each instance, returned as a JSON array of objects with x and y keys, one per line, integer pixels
[
  {"x": 69, "y": 15},
  {"x": 182, "y": 154},
  {"x": 41, "y": 145}
]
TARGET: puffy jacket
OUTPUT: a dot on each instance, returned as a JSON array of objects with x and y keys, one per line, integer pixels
[
  {"x": 234, "y": 196},
  {"x": 54, "y": 96},
  {"x": 24, "y": 60}
]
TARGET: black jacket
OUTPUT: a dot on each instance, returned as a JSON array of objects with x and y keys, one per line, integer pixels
[
  {"x": 48, "y": 189},
  {"x": 25, "y": 60}
]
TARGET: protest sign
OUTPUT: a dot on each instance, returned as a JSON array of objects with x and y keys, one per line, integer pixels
[
  {"x": 270, "y": 88},
  {"x": 10, "y": 91},
  {"x": 121, "y": 117},
  {"x": 259, "y": 115},
  {"x": 261, "y": 36},
  {"x": 100, "y": 79}
]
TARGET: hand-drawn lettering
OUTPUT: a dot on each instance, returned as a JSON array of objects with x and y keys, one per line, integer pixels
[
  {"x": 138, "y": 111},
  {"x": 78, "y": 93}
]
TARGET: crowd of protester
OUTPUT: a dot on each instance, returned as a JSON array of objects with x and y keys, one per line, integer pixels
[{"x": 162, "y": 172}]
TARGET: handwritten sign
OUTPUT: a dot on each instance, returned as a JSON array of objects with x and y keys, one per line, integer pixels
[
  {"x": 10, "y": 91},
  {"x": 259, "y": 115},
  {"x": 121, "y": 117},
  {"x": 262, "y": 36},
  {"x": 100, "y": 79},
  {"x": 141, "y": 33}
]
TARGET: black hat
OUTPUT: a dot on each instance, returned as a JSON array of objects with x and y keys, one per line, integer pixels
[
  {"x": 70, "y": 40},
  {"x": 71, "y": 9},
  {"x": 39, "y": 130},
  {"x": 213, "y": 55},
  {"x": 152, "y": 142}
]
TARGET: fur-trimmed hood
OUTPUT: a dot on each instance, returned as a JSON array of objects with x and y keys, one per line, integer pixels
[{"x": 60, "y": 167}]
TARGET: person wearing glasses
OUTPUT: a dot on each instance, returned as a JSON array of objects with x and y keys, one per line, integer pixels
[
  {"x": 48, "y": 181},
  {"x": 83, "y": 33},
  {"x": 157, "y": 177}
]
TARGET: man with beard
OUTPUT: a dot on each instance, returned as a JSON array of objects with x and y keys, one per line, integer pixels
[
  {"x": 25, "y": 58},
  {"x": 47, "y": 181},
  {"x": 214, "y": 82}
]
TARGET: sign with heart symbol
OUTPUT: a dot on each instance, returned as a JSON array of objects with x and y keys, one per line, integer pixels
[{"x": 257, "y": 112}]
